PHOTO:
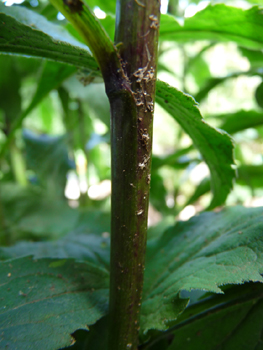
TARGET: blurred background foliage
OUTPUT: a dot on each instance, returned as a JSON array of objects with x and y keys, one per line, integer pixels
[{"x": 55, "y": 175}]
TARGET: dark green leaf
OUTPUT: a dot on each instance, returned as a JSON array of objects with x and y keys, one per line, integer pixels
[
  {"x": 44, "y": 301},
  {"x": 177, "y": 160},
  {"x": 259, "y": 95},
  {"x": 48, "y": 157},
  {"x": 215, "y": 146},
  {"x": 158, "y": 192},
  {"x": 250, "y": 175},
  {"x": 95, "y": 338},
  {"x": 206, "y": 252},
  {"x": 31, "y": 213},
  {"x": 52, "y": 75},
  {"x": 201, "y": 189},
  {"x": 25, "y": 32},
  {"x": 218, "y": 23},
  {"x": 10, "y": 101},
  {"x": 87, "y": 247},
  {"x": 237, "y": 325}
]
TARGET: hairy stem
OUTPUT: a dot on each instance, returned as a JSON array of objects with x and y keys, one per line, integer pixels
[{"x": 137, "y": 24}]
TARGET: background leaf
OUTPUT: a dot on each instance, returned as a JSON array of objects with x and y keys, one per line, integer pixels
[
  {"x": 240, "y": 120},
  {"x": 48, "y": 157},
  {"x": 31, "y": 213},
  {"x": 217, "y": 22},
  {"x": 215, "y": 146}
]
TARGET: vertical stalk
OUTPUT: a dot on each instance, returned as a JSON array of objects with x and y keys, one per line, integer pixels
[
  {"x": 18, "y": 164},
  {"x": 137, "y": 23},
  {"x": 129, "y": 75}
]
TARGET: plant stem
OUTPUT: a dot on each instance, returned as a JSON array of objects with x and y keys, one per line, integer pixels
[
  {"x": 136, "y": 37},
  {"x": 129, "y": 75},
  {"x": 18, "y": 165}
]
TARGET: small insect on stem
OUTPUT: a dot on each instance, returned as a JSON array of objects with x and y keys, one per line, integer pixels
[
  {"x": 155, "y": 22},
  {"x": 139, "y": 3}
]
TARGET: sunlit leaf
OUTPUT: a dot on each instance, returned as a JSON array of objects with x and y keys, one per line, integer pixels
[{"x": 25, "y": 32}]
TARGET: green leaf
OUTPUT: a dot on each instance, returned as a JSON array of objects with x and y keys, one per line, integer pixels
[
  {"x": 10, "y": 101},
  {"x": 241, "y": 120},
  {"x": 48, "y": 157},
  {"x": 201, "y": 189},
  {"x": 32, "y": 213},
  {"x": 247, "y": 175},
  {"x": 213, "y": 82},
  {"x": 52, "y": 75},
  {"x": 42, "y": 303},
  {"x": 95, "y": 338},
  {"x": 217, "y": 23},
  {"x": 93, "y": 33},
  {"x": 234, "y": 325},
  {"x": 94, "y": 95},
  {"x": 199, "y": 69},
  {"x": 25, "y": 32},
  {"x": 91, "y": 248},
  {"x": 215, "y": 145},
  {"x": 208, "y": 251},
  {"x": 255, "y": 57},
  {"x": 250, "y": 175},
  {"x": 177, "y": 160},
  {"x": 259, "y": 95},
  {"x": 158, "y": 192}
]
